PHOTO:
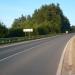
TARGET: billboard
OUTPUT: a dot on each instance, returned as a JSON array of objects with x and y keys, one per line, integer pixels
[{"x": 27, "y": 30}]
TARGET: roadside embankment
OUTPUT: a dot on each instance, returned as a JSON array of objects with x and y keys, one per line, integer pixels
[
  {"x": 67, "y": 61},
  {"x": 68, "y": 66}
]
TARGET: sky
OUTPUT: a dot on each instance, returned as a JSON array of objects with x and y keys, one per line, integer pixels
[{"x": 11, "y": 9}]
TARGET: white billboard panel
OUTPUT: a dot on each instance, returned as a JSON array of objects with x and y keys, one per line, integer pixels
[{"x": 27, "y": 30}]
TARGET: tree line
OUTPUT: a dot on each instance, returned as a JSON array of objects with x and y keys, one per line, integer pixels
[{"x": 48, "y": 19}]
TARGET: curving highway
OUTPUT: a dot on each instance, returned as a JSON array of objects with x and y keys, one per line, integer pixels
[{"x": 39, "y": 57}]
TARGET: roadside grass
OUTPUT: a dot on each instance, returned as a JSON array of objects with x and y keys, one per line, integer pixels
[{"x": 4, "y": 41}]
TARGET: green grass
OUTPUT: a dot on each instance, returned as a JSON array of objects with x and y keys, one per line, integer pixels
[{"x": 20, "y": 39}]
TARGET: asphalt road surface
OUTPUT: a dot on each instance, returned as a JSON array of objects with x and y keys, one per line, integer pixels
[{"x": 40, "y": 57}]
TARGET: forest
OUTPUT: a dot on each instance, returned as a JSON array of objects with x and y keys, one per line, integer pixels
[{"x": 48, "y": 19}]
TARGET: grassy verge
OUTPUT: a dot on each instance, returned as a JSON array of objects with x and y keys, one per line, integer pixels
[{"x": 4, "y": 41}]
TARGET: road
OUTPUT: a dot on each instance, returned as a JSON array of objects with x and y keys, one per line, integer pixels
[{"x": 40, "y": 57}]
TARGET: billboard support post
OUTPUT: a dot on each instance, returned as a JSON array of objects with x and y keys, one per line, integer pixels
[{"x": 27, "y": 30}]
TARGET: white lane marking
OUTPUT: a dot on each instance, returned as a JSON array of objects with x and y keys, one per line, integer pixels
[
  {"x": 17, "y": 53},
  {"x": 61, "y": 60},
  {"x": 24, "y": 50}
]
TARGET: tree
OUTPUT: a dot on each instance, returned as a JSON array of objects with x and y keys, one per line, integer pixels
[
  {"x": 43, "y": 29},
  {"x": 73, "y": 28},
  {"x": 3, "y": 30},
  {"x": 29, "y": 18},
  {"x": 47, "y": 19},
  {"x": 16, "y": 33},
  {"x": 65, "y": 24},
  {"x": 19, "y": 23}
]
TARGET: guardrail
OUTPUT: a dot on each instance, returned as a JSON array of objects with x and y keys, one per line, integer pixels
[
  {"x": 19, "y": 39},
  {"x": 11, "y": 40}
]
